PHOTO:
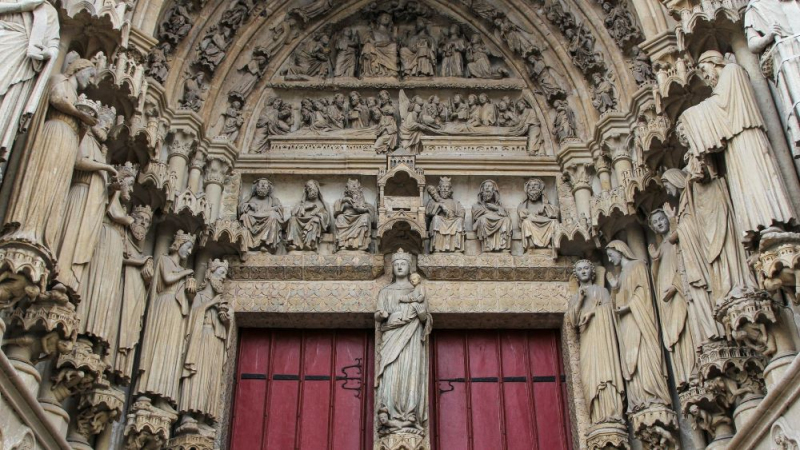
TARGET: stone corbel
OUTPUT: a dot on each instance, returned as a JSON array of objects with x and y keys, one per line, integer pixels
[
  {"x": 147, "y": 426},
  {"x": 97, "y": 409}
]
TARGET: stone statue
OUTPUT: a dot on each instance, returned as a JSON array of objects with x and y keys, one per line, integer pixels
[
  {"x": 335, "y": 112},
  {"x": 704, "y": 215},
  {"x": 358, "y": 114},
  {"x": 592, "y": 313},
  {"x": 232, "y": 120},
  {"x": 99, "y": 308},
  {"x": 311, "y": 60},
  {"x": 447, "y": 218},
  {"x": 29, "y": 44},
  {"x": 386, "y": 140},
  {"x": 353, "y": 218},
  {"x": 730, "y": 122},
  {"x": 251, "y": 71},
  {"x": 275, "y": 119},
  {"x": 604, "y": 94},
  {"x": 379, "y": 53},
  {"x": 640, "y": 348},
  {"x": 86, "y": 202},
  {"x": 641, "y": 67},
  {"x": 453, "y": 54},
  {"x": 478, "y": 63},
  {"x": 36, "y": 209},
  {"x": 537, "y": 216},
  {"x": 314, "y": 9},
  {"x": 207, "y": 339},
  {"x": 262, "y": 216},
  {"x": 564, "y": 122},
  {"x": 490, "y": 220},
  {"x": 310, "y": 218},
  {"x": 620, "y": 24},
  {"x": 514, "y": 37},
  {"x": 137, "y": 272},
  {"x": 671, "y": 301},
  {"x": 772, "y": 28},
  {"x": 163, "y": 342},
  {"x": 542, "y": 74},
  {"x": 418, "y": 56},
  {"x": 213, "y": 47},
  {"x": 346, "y": 47},
  {"x": 157, "y": 65},
  {"x": 401, "y": 370},
  {"x": 581, "y": 48},
  {"x": 176, "y": 24},
  {"x": 194, "y": 92},
  {"x": 525, "y": 122}
]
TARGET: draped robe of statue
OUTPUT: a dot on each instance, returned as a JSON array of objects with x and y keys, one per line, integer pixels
[
  {"x": 161, "y": 362},
  {"x": 730, "y": 121},
  {"x": 99, "y": 308},
  {"x": 640, "y": 348},
  {"x": 784, "y": 53},
  {"x": 23, "y": 79},
  {"x": 453, "y": 58},
  {"x": 492, "y": 226},
  {"x": 379, "y": 54},
  {"x": 207, "y": 337},
  {"x": 537, "y": 221},
  {"x": 676, "y": 331},
  {"x": 263, "y": 219},
  {"x": 305, "y": 226},
  {"x": 36, "y": 206},
  {"x": 402, "y": 372},
  {"x": 446, "y": 233},
  {"x": 353, "y": 226},
  {"x": 601, "y": 374},
  {"x": 83, "y": 218},
  {"x": 134, "y": 299}
]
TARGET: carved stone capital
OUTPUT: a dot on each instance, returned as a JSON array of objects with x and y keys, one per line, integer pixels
[
  {"x": 747, "y": 311},
  {"x": 198, "y": 160},
  {"x": 656, "y": 426},
  {"x": 216, "y": 171},
  {"x": 77, "y": 371},
  {"x": 610, "y": 435},
  {"x": 579, "y": 176},
  {"x": 147, "y": 426},
  {"x": 733, "y": 373},
  {"x": 191, "y": 442},
  {"x": 97, "y": 409}
]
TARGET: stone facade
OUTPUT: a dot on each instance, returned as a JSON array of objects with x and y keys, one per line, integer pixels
[{"x": 175, "y": 170}]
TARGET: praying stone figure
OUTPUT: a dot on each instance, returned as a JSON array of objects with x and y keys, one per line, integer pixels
[
  {"x": 490, "y": 220},
  {"x": 773, "y": 28},
  {"x": 671, "y": 301},
  {"x": 36, "y": 209},
  {"x": 310, "y": 218},
  {"x": 353, "y": 218},
  {"x": 262, "y": 216},
  {"x": 704, "y": 215},
  {"x": 86, "y": 202},
  {"x": 163, "y": 342},
  {"x": 537, "y": 216},
  {"x": 639, "y": 345},
  {"x": 730, "y": 122},
  {"x": 591, "y": 312},
  {"x": 379, "y": 54},
  {"x": 137, "y": 272},
  {"x": 28, "y": 48},
  {"x": 402, "y": 326},
  {"x": 447, "y": 218},
  {"x": 207, "y": 339}
]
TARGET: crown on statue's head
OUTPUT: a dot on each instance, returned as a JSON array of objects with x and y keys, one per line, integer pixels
[
  {"x": 217, "y": 263},
  {"x": 87, "y": 105},
  {"x": 401, "y": 255},
  {"x": 182, "y": 237},
  {"x": 127, "y": 170},
  {"x": 444, "y": 180},
  {"x": 144, "y": 210}
]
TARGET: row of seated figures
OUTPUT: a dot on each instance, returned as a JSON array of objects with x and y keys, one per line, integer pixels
[{"x": 440, "y": 225}]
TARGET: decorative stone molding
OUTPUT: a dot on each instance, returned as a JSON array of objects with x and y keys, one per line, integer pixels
[
  {"x": 607, "y": 435},
  {"x": 310, "y": 266},
  {"x": 147, "y": 426},
  {"x": 191, "y": 442},
  {"x": 125, "y": 73},
  {"x": 495, "y": 267}
]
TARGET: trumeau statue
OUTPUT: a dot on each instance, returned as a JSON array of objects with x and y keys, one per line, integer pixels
[
  {"x": 446, "y": 230},
  {"x": 309, "y": 219},
  {"x": 730, "y": 122},
  {"x": 772, "y": 28},
  {"x": 163, "y": 342},
  {"x": 137, "y": 272},
  {"x": 207, "y": 338},
  {"x": 671, "y": 300},
  {"x": 592, "y": 313},
  {"x": 402, "y": 327},
  {"x": 28, "y": 48},
  {"x": 36, "y": 209},
  {"x": 86, "y": 202},
  {"x": 537, "y": 216},
  {"x": 262, "y": 216},
  {"x": 353, "y": 218},
  {"x": 700, "y": 211},
  {"x": 99, "y": 286},
  {"x": 490, "y": 219},
  {"x": 640, "y": 348}
]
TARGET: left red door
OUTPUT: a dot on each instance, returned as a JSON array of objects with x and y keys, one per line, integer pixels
[{"x": 304, "y": 390}]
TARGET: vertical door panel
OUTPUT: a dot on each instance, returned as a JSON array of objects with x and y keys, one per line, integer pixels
[
  {"x": 284, "y": 391},
  {"x": 520, "y": 427},
  {"x": 484, "y": 373},
  {"x": 248, "y": 419},
  {"x": 452, "y": 421},
  {"x": 316, "y": 390},
  {"x": 547, "y": 390},
  {"x": 348, "y": 395}
]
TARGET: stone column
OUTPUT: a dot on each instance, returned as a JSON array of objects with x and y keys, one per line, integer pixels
[
  {"x": 622, "y": 162},
  {"x": 179, "y": 150},
  {"x": 196, "y": 172},
  {"x": 603, "y": 169},
  {"x": 580, "y": 178},
  {"x": 216, "y": 171}
]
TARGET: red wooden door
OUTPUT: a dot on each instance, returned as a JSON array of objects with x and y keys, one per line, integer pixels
[
  {"x": 499, "y": 390},
  {"x": 303, "y": 389}
]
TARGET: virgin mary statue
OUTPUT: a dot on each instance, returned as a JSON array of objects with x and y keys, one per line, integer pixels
[{"x": 401, "y": 379}]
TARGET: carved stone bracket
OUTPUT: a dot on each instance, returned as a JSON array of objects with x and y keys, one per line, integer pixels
[
  {"x": 708, "y": 412},
  {"x": 605, "y": 436},
  {"x": 97, "y": 409},
  {"x": 404, "y": 441},
  {"x": 778, "y": 264},
  {"x": 24, "y": 270},
  {"x": 77, "y": 371},
  {"x": 655, "y": 426},
  {"x": 191, "y": 442},
  {"x": 47, "y": 325},
  {"x": 147, "y": 426},
  {"x": 746, "y": 312}
]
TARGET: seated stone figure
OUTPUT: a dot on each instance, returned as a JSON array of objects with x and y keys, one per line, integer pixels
[
  {"x": 447, "y": 219},
  {"x": 537, "y": 217},
  {"x": 310, "y": 218},
  {"x": 353, "y": 218},
  {"x": 262, "y": 217},
  {"x": 490, "y": 220}
]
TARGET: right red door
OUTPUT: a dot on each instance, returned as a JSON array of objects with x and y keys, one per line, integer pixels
[{"x": 499, "y": 390}]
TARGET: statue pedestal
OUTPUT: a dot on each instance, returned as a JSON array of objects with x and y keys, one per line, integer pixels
[
  {"x": 607, "y": 435},
  {"x": 403, "y": 441}
]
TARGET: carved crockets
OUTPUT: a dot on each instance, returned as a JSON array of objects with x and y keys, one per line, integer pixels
[{"x": 402, "y": 326}]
